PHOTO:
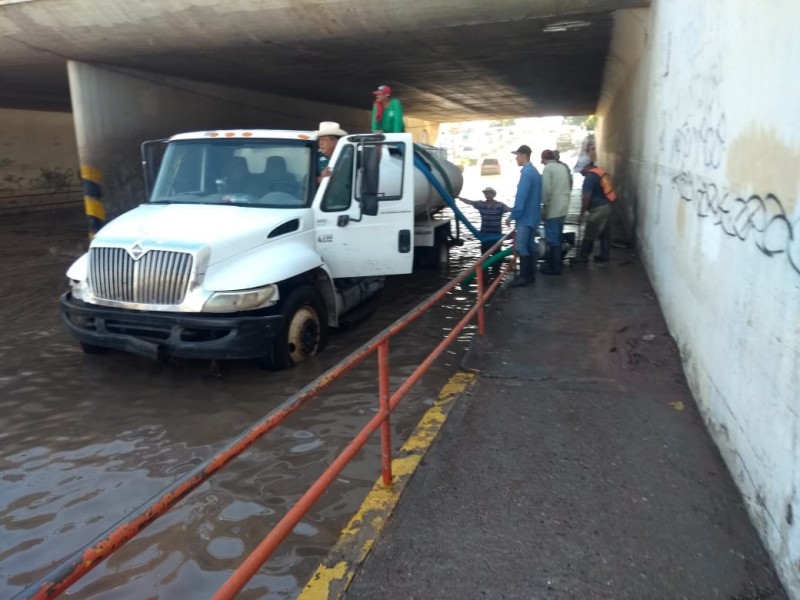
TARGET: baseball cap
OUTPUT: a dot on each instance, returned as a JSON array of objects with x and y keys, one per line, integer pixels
[
  {"x": 383, "y": 89},
  {"x": 548, "y": 155},
  {"x": 523, "y": 150},
  {"x": 489, "y": 190}
]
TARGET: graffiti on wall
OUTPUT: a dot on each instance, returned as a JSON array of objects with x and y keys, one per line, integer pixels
[
  {"x": 695, "y": 143},
  {"x": 704, "y": 140},
  {"x": 701, "y": 137},
  {"x": 48, "y": 180},
  {"x": 762, "y": 219}
]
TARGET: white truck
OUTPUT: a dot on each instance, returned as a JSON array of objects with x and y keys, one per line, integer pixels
[{"x": 242, "y": 251}]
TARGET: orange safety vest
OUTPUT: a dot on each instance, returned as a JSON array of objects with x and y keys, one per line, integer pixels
[{"x": 605, "y": 183}]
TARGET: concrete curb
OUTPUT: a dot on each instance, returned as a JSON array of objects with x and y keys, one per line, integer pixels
[{"x": 337, "y": 570}]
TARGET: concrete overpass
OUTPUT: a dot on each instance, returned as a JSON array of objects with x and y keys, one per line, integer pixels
[
  {"x": 697, "y": 124},
  {"x": 449, "y": 61},
  {"x": 134, "y": 72}
]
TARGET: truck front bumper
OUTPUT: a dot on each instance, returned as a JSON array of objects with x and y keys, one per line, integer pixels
[{"x": 162, "y": 335}]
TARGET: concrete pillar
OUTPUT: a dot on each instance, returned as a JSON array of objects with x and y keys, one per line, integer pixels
[{"x": 116, "y": 110}]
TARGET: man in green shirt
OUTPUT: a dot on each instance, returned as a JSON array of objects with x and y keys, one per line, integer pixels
[{"x": 387, "y": 112}]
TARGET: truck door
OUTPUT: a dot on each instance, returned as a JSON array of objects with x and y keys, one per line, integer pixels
[{"x": 352, "y": 242}]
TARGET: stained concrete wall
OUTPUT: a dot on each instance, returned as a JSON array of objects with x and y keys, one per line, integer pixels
[
  {"x": 38, "y": 161},
  {"x": 116, "y": 110},
  {"x": 700, "y": 128}
]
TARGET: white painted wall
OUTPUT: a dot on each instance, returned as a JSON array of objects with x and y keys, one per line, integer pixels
[
  {"x": 38, "y": 160},
  {"x": 701, "y": 111}
]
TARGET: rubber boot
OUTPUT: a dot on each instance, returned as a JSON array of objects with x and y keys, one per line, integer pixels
[
  {"x": 525, "y": 266},
  {"x": 583, "y": 255},
  {"x": 553, "y": 258},
  {"x": 555, "y": 261},
  {"x": 605, "y": 252}
]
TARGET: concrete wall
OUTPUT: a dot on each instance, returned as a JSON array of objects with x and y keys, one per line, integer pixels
[
  {"x": 116, "y": 110},
  {"x": 38, "y": 161},
  {"x": 700, "y": 129}
]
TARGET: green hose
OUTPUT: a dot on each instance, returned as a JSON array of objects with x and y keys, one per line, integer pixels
[{"x": 487, "y": 263}]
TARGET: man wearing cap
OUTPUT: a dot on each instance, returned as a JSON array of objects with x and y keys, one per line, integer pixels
[
  {"x": 328, "y": 136},
  {"x": 387, "y": 112},
  {"x": 491, "y": 212},
  {"x": 557, "y": 156},
  {"x": 527, "y": 213},
  {"x": 597, "y": 206},
  {"x": 555, "y": 205}
]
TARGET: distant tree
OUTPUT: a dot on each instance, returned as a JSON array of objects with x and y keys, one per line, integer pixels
[{"x": 587, "y": 122}]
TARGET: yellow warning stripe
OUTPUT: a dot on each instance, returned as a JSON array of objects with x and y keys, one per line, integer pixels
[
  {"x": 94, "y": 208},
  {"x": 333, "y": 576},
  {"x": 91, "y": 173}
]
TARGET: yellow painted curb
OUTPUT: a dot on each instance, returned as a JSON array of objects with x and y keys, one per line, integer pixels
[{"x": 334, "y": 575}]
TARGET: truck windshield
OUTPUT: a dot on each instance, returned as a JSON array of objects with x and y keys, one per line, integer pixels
[{"x": 268, "y": 173}]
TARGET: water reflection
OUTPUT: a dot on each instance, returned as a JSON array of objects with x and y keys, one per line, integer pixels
[{"x": 88, "y": 439}]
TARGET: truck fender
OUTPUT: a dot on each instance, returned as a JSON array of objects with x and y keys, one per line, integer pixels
[{"x": 270, "y": 263}]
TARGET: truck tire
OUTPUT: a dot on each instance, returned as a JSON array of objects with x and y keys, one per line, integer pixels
[{"x": 305, "y": 330}]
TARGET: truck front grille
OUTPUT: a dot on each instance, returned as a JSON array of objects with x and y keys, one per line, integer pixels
[{"x": 158, "y": 277}]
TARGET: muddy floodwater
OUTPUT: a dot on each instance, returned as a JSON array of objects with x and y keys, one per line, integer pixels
[{"x": 86, "y": 439}]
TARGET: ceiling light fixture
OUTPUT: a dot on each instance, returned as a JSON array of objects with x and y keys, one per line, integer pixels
[{"x": 565, "y": 26}]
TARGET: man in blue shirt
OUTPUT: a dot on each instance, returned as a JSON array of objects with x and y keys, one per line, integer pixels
[{"x": 527, "y": 213}]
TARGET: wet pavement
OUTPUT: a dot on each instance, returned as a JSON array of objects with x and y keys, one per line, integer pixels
[
  {"x": 577, "y": 467},
  {"x": 84, "y": 440}
]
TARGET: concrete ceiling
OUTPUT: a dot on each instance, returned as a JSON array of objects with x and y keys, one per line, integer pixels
[{"x": 448, "y": 60}]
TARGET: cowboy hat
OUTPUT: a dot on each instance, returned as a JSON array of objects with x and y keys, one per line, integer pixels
[{"x": 330, "y": 128}]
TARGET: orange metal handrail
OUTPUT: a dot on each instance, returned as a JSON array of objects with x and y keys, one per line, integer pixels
[{"x": 80, "y": 563}]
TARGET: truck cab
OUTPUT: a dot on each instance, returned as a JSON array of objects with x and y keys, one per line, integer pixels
[{"x": 240, "y": 253}]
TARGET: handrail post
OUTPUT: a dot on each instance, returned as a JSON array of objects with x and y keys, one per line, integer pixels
[
  {"x": 479, "y": 277},
  {"x": 383, "y": 397}
]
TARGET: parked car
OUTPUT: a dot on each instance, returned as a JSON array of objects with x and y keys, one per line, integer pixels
[{"x": 490, "y": 166}]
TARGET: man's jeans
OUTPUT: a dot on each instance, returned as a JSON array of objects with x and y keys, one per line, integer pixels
[
  {"x": 553, "y": 229},
  {"x": 524, "y": 241}
]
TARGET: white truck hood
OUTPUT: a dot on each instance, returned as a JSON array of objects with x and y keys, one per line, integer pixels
[{"x": 224, "y": 229}]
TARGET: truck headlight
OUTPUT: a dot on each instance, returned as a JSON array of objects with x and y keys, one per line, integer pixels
[{"x": 225, "y": 302}]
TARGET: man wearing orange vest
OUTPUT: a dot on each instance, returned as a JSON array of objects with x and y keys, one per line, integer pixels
[{"x": 597, "y": 198}]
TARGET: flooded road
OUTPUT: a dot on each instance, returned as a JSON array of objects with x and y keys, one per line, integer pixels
[{"x": 85, "y": 439}]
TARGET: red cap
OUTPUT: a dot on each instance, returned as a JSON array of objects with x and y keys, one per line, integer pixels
[{"x": 383, "y": 89}]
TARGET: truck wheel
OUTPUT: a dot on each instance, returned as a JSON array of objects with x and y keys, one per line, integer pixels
[
  {"x": 305, "y": 329},
  {"x": 92, "y": 349}
]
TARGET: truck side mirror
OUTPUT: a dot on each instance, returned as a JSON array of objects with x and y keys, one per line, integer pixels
[
  {"x": 370, "y": 171},
  {"x": 369, "y": 205}
]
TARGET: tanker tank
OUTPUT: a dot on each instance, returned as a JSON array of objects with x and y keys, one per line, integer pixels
[{"x": 426, "y": 198}]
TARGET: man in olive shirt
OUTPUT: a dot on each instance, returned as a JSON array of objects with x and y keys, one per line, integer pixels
[
  {"x": 387, "y": 112},
  {"x": 555, "y": 205}
]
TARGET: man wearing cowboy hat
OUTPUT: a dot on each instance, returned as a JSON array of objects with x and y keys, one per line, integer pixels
[
  {"x": 491, "y": 212},
  {"x": 328, "y": 135}
]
